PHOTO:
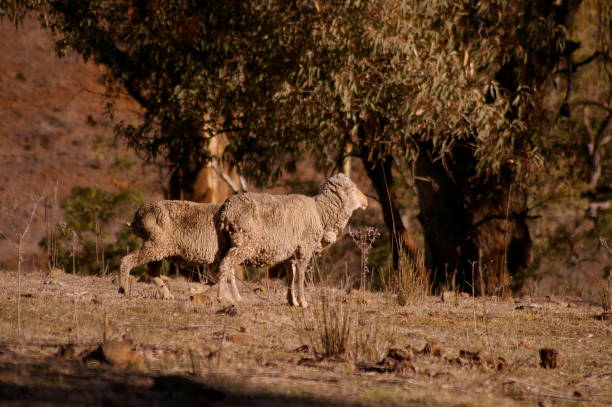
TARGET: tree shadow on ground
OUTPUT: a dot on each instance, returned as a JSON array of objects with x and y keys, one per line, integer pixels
[{"x": 75, "y": 384}]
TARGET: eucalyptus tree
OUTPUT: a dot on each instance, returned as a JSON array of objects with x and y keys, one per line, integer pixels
[{"x": 451, "y": 90}]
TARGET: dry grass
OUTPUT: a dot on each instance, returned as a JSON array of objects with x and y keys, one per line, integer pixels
[
  {"x": 605, "y": 294},
  {"x": 410, "y": 283},
  {"x": 339, "y": 326},
  {"x": 258, "y": 357}
]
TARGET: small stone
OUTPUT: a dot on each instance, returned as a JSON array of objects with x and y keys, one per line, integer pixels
[
  {"x": 230, "y": 310},
  {"x": 51, "y": 282},
  {"x": 432, "y": 348},
  {"x": 502, "y": 364},
  {"x": 448, "y": 296},
  {"x": 302, "y": 349},
  {"x": 67, "y": 352},
  {"x": 121, "y": 354},
  {"x": 56, "y": 272},
  {"x": 531, "y": 305},
  {"x": 551, "y": 358},
  {"x": 201, "y": 298},
  {"x": 400, "y": 354}
]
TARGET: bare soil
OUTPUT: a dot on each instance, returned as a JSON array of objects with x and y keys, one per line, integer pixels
[{"x": 72, "y": 340}]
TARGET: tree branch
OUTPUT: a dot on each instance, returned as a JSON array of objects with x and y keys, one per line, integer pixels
[
  {"x": 591, "y": 103},
  {"x": 225, "y": 177}
]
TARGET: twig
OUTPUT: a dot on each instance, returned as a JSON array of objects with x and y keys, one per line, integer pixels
[
  {"x": 182, "y": 328},
  {"x": 20, "y": 239},
  {"x": 222, "y": 341}
]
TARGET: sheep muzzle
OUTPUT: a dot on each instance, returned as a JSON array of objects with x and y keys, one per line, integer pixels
[{"x": 361, "y": 198}]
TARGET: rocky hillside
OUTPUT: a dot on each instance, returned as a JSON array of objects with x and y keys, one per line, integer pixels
[{"x": 54, "y": 134}]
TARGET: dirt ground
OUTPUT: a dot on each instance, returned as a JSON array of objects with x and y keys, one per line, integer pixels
[{"x": 72, "y": 340}]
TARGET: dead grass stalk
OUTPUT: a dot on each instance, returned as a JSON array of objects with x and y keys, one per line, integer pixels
[
  {"x": 340, "y": 327},
  {"x": 410, "y": 282}
]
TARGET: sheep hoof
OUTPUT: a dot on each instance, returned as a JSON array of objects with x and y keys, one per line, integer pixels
[
  {"x": 303, "y": 304},
  {"x": 123, "y": 291},
  {"x": 162, "y": 288},
  {"x": 291, "y": 299}
]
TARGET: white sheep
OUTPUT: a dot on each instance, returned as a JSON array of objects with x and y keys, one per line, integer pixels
[
  {"x": 261, "y": 229},
  {"x": 181, "y": 231}
]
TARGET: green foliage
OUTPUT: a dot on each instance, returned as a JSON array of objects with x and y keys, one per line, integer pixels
[
  {"x": 283, "y": 76},
  {"x": 286, "y": 77},
  {"x": 94, "y": 231},
  {"x": 462, "y": 80}
]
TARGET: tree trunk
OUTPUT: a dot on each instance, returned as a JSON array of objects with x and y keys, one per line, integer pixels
[
  {"x": 382, "y": 180},
  {"x": 379, "y": 169},
  {"x": 182, "y": 182},
  {"x": 473, "y": 241}
]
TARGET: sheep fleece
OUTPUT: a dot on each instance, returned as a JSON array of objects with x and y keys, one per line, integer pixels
[
  {"x": 270, "y": 228},
  {"x": 181, "y": 230}
]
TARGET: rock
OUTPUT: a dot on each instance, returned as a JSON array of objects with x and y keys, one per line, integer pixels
[
  {"x": 51, "y": 282},
  {"x": 302, "y": 349},
  {"x": 449, "y": 296},
  {"x": 432, "y": 348},
  {"x": 56, "y": 272},
  {"x": 531, "y": 305},
  {"x": 397, "y": 361},
  {"x": 200, "y": 298},
  {"x": 230, "y": 310},
  {"x": 121, "y": 354},
  {"x": 551, "y": 358},
  {"x": 67, "y": 352}
]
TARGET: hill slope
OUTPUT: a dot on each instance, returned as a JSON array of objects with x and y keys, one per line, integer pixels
[{"x": 54, "y": 132}]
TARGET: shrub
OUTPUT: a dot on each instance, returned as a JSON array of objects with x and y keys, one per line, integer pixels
[{"x": 94, "y": 235}]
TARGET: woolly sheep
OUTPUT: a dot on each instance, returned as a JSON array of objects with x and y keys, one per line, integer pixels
[
  {"x": 182, "y": 231},
  {"x": 262, "y": 230}
]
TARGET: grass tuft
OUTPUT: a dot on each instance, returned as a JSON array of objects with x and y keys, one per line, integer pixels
[{"x": 410, "y": 283}]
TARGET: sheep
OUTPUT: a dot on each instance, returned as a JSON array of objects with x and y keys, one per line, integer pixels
[
  {"x": 181, "y": 231},
  {"x": 261, "y": 229}
]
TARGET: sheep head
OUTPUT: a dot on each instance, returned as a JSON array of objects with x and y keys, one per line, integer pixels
[{"x": 344, "y": 187}]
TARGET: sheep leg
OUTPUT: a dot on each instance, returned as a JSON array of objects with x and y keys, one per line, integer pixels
[
  {"x": 155, "y": 272},
  {"x": 232, "y": 282},
  {"x": 128, "y": 262},
  {"x": 291, "y": 289},
  {"x": 146, "y": 254},
  {"x": 232, "y": 258},
  {"x": 301, "y": 269}
]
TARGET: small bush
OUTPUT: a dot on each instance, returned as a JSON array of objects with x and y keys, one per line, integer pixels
[
  {"x": 409, "y": 283},
  {"x": 341, "y": 328},
  {"x": 94, "y": 236}
]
